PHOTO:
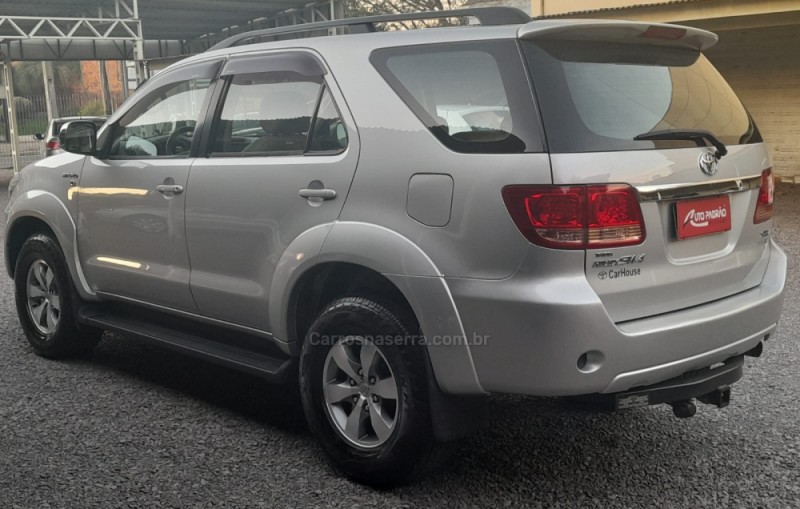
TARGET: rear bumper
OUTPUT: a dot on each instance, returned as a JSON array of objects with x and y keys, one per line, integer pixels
[
  {"x": 533, "y": 328},
  {"x": 703, "y": 384}
]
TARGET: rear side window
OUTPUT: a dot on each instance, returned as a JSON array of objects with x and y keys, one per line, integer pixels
[
  {"x": 474, "y": 97},
  {"x": 278, "y": 113},
  {"x": 328, "y": 133},
  {"x": 599, "y": 97}
]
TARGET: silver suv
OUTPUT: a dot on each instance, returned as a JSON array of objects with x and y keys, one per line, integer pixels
[{"x": 407, "y": 221}]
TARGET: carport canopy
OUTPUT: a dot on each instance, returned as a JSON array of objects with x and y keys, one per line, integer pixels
[
  {"x": 111, "y": 29},
  {"x": 137, "y": 30}
]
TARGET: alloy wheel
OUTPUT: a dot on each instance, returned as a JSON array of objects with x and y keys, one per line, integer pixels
[
  {"x": 44, "y": 301},
  {"x": 360, "y": 392}
]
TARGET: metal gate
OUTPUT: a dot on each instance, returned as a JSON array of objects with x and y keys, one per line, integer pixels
[{"x": 32, "y": 119}]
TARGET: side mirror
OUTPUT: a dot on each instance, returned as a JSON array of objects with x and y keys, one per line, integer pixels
[
  {"x": 39, "y": 136},
  {"x": 78, "y": 137}
]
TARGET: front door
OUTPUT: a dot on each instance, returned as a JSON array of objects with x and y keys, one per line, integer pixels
[
  {"x": 131, "y": 198},
  {"x": 278, "y": 132}
]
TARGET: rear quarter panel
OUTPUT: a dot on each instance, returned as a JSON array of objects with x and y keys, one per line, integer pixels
[{"x": 480, "y": 240}]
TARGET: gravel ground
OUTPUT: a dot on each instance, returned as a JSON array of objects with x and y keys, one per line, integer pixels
[{"x": 136, "y": 426}]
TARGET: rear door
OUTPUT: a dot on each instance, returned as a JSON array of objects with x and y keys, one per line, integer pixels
[
  {"x": 281, "y": 156},
  {"x": 702, "y": 242}
]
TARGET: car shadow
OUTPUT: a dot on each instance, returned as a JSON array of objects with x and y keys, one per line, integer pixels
[
  {"x": 272, "y": 405},
  {"x": 583, "y": 458},
  {"x": 533, "y": 444}
]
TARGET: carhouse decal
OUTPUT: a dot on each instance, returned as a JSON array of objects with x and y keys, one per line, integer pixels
[{"x": 704, "y": 216}]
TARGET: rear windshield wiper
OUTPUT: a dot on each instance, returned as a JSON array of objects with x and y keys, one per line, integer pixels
[{"x": 698, "y": 136}]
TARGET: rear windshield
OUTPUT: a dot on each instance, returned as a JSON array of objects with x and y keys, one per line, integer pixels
[
  {"x": 474, "y": 97},
  {"x": 597, "y": 97}
]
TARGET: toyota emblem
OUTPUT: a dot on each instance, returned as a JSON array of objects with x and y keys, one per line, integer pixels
[{"x": 708, "y": 163}]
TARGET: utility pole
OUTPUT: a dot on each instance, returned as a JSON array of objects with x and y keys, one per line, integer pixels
[
  {"x": 123, "y": 78},
  {"x": 106, "y": 94},
  {"x": 104, "y": 87},
  {"x": 49, "y": 90},
  {"x": 138, "y": 50}
]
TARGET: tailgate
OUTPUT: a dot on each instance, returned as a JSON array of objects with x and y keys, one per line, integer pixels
[
  {"x": 666, "y": 273},
  {"x": 607, "y": 95}
]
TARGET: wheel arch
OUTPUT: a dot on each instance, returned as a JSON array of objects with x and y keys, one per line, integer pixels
[
  {"x": 42, "y": 212},
  {"x": 354, "y": 256},
  {"x": 328, "y": 281},
  {"x": 18, "y": 232}
]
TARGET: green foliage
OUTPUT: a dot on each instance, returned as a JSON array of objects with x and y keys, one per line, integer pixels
[
  {"x": 30, "y": 126},
  {"x": 92, "y": 108},
  {"x": 23, "y": 103},
  {"x": 28, "y": 78},
  {"x": 29, "y": 120}
]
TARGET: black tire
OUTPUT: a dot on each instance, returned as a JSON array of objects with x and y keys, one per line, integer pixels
[
  {"x": 407, "y": 451},
  {"x": 66, "y": 339}
]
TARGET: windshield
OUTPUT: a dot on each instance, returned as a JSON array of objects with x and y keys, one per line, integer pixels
[{"x": 600, "y": 97}]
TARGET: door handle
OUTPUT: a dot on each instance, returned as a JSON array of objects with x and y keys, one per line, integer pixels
[
  {"x": 169, "y": 189},
  {"x": 323, "y": 194}
]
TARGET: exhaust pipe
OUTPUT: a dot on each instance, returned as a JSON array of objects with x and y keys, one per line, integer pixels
[{"x": 756, "y": 350}]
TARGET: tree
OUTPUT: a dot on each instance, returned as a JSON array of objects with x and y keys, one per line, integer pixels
[
  {"x": 28, "y": 78},
  {"x": 375, "y": 7}
]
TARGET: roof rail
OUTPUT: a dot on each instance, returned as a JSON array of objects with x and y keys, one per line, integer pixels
[{"x": 484, "y": 15}]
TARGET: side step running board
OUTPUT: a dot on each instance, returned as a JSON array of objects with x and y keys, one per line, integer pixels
[{"x": 274, "y": 368}]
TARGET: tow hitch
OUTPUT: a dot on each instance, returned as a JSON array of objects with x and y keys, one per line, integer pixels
[
  {"x": 684, "y": 408},
  {"x": 720, "y": 398},
  {"x": 711, "y": 386}
]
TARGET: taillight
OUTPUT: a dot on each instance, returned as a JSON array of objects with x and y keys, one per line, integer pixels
[
  {"x": 766, "y": 198},
  {"x": 577, "y": 217},
  {"x": 52, "y": 145}
]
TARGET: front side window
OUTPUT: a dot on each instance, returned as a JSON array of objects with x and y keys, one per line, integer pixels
[
  {"x": 163, "y": 122},
  {"x": 277, "y": 113},
  {"x": 473, "y": 97}
]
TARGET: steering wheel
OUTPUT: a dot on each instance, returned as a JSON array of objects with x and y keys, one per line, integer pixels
[{"x": 179, "y": 142}]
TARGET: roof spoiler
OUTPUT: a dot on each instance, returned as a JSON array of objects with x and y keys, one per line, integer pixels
[{"x": 630, "y": 32}]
